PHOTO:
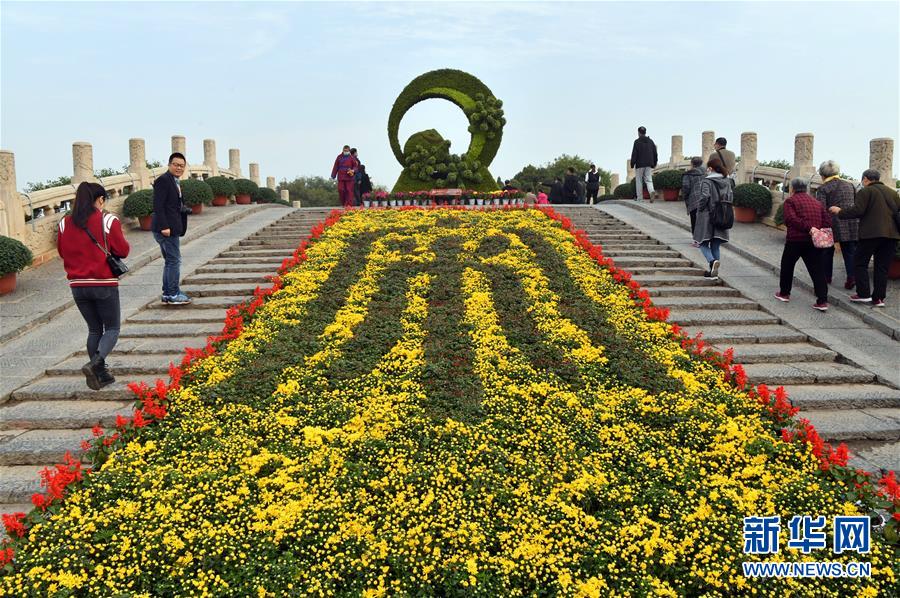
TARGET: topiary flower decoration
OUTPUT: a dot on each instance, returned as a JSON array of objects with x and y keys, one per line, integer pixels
[{"x": 426, "y": 157}]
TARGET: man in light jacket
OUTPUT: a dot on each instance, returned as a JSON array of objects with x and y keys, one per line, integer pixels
[{"x": 643, "y": 160}]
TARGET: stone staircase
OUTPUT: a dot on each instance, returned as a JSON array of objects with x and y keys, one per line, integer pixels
[
  {"x": 52, "y": 415},
  {"x": 843, "y": 401}
]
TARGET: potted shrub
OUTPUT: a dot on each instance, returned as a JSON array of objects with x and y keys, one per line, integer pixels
[
  {"x": 222, "y": 189},
  {"x": 669, "y": 181},
  {"x": 139, "y": 204},
  {"x": 14, "y": 257},
  {"x": 751, "y": 200},
  {"x": 265, "y": 195},
  {"x": 243, "y": 190},
  {"x": 624, "y": 191},
  {"x": 196, "y": 193}
]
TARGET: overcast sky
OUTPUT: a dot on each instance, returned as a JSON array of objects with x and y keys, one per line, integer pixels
[{"x": 290, "y": 82}]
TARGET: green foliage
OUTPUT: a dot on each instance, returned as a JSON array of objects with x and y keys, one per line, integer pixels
[
  {"x": 624, "y": 191},
  {"x": 221, "y": 186},
  {"x": 751, "y": 195},
  {"x": 607, "y": 197},
  {"x": 57, "y": 182},
  {"x": 195, "y": 192},
  {"x": 531, "y": 177},
  {"x": 779, "y": 215},
  {"x": 782, "y": 164},
  {"x": 265, "y": 195},
  {"x": 138, "y": 204},
  {"x": 313, "y": 192},
  {"x": 668, "y": 179},
  {"x": 429, "y": 161},
  {"x": 244, "y": 187},
  {"x": 14, "y": 256}
]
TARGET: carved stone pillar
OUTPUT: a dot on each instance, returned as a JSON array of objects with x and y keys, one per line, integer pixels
[
  {"x": 82, "y": 163},
  {"x": 707, "y": 144},
  {"x": 677, "y": 150},
  {"x": 629, "y": 171},
  {"x": 12, "y": 212},
  {"x": 179, "y": 144},
  {"x": 137, "y": 163},
  {"x": 254, "y": 172},
  {"x": 614, "y": 182},
  {"x": 234, "y": 161},
  {"x": 803, "y": 156},
  {"x": 881, "y": 158},
  {"x": 270, "y": 182},
  {"x": 748, "y": 157},
  {"x": 209, "y": 156}
]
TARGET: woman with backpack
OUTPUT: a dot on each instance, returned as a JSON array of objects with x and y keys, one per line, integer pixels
[
  {"x": 85, "y": 238},
  {"x": 715, "y": 214}
]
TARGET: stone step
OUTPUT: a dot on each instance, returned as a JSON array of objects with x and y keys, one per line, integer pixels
[
  {"x": 263, "y": 244},
  {"x": 855, "y": 424},
  {"x": 50, "y": 388},
  {"x": 125, "y": 364},
  {"x": 653, "y": 253},
  {"x": 33, "y": 415},
  {"x": 278, "y": 235},
  {"x": 646, "y": 262},
  {"x": 154, "y": 346},
  {"x": 244, "y": 267},
  {"x": 272, "y": 261},
  {"x": 18, "y": 483},
  {"x": 706, "y": 302},
  {"x": 221, "y": 290},
  {"x": 874, "y": 455},
  {"x": 674, "y": 280},
  {"x": 175, "y": 314},
  {"x": 631, "y": 245},
  {"x": 664, "y": 270},
  {"x": 227, "y": 277},
  {"x": 706, "y": 292},
  {"x": 198, "y": 303},
  {"x": 173, "y": 330},
  {"x": 779, "y": 353},
  {"x": 843, "y": 396},
  {"x": 735, "y": 335},
  {"x": 618, "y": 236},
  {"x": 704, "y": 317},
  {"x": 793, "y": 372},
  {"x": 36, "y": 447},
  {"x": 247, "y": 254}
]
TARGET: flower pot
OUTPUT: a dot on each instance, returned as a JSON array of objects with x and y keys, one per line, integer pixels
[
  {"x": 480, "y": 202},
  {"x": 670, "y": 194},
  {"x": 146, "y": 221},
  {"x": 894, "y": 269},
  {"x": 7, "y": 283},
  {"x": 242, "y": 199},
  {"x": 197, "y": 209},
  {"x": 742, "y": 214},
  {"x": 366, "y": 203},
  {"x": 646, "y": 193},
  {"x": 219, "y": 201}
]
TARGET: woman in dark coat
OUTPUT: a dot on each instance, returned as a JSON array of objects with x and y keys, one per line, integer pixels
[
  {"x": 835, "y": 191},
  {"x": 714, "y": 188}
]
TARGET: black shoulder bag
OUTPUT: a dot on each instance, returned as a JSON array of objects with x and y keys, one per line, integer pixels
[{"x": 117, "y": 265}]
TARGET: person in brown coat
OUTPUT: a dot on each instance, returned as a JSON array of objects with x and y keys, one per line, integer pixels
[
  {"x": 876, "y": 206},
  {"x": 725, "y": 155}
]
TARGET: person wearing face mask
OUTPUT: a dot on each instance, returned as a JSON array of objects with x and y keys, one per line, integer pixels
[
  {"x": 714, "y": 189},
  {"x": 344, "y": 170}
]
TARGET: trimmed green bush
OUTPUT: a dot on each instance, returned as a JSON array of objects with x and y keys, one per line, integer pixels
[
  {"x": 667, "y": 179},
  {"x": 14, "y": 256},
  {"x": 756, "y": 197},
  {"x": 221, "y": 186},
  {"x": 138, "y": 204},
  {"x": 245, "y": 187},
  {"x": 779, "y": 215},
  {"x": 265, "y": 195},
  {"x": 624, "y": 191},
  {"x": 607, "y": 197},
  {"x": 196, "y": 192}
]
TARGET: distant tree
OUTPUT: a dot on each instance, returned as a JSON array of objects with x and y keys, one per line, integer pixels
[
  {"x": 532, "y": 176},
  {"x": 312, "y": 191},
  {"x": 782, "y": 164}
]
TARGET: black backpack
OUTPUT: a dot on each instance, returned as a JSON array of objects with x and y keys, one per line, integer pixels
[{"x": 722, "y": 212}]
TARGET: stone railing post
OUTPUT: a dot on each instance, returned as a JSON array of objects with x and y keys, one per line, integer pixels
[
  {"x": 803, "y": 157},
  {"x": 179, "y": 144},
  {"x": 234, "y": 161},
  {"x": 209, "y": 156},
  {"x": 881, "y": 158},
  {"x": 270, "y": 182},
  {"x": 677, "y": 150},
  {"x": 707, "y": 144},
  {"x": 285, "y": 195},
  {"x": 613, "y": 182},
  {"x": 629, "y": 171},
  {"x": 748, "y": 157},
  {"x": 12, "y": 212},
  {"x": 137, "y": 163},
  {"x": 82, "y": 163},
  {"x": 254, "y": 172}
]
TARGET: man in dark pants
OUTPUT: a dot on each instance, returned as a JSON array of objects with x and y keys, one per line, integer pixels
[
  {"x": 593, "y": 184},
  {"x": 169, "y": 225},
  {"x": 643, "y": 160},
  {"x": 570, "y": 186},
  {"x": 875, "y": 205}
]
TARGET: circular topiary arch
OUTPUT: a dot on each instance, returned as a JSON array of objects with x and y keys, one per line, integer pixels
[{"x": 483, "y": 111}]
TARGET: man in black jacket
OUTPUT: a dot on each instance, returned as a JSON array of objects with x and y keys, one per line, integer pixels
[
  {"x": 169, "y": 225},
  {"x": 643, "y": 160},
  {"x": 593, "y": 183},
  {"x": 556, "y": 190},
  {"x": 570, "y": 186}
]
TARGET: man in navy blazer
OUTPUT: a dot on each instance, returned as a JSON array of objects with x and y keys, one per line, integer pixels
[{"x": 169, "y": 225}]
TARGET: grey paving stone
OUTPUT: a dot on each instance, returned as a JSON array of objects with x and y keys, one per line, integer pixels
[
  {"x": 267, "y": 261},
  {"x": 18, "y": 483},
  {"x": 881, "y": 455},
  {"x": 774, "y": 374},
  {"x": 155, "y": 345},
  {"x": 706, "y": 302},
  {"x": 218, "y": 290},
  {"x": 176, "y": 313},
  {"x": 694, "y": 291},
  {"x": 614, "y": 253},
  {"x": 702, "y": 317},
  {"x": 35, "y": 447},
  {"x": 165, "y": 329},
  {"x": 674, "y": 280},
  {"x": 31, "y": 415},
  {"x": 733, "y": 335},
  {"x": 74, "y": 387},
  {"x": 664, "y": 270},
  {"x": 843, "y": 396},
  {"x": 836, "y": 373},
  {"x": 778, "y": 353},
  {"x": 199, "y": 303},
  {"x": 645, "y": 262},
  {"x": 228, "y": 277},
  {"x": 854, "y": 424},
  {"x": 121, "y": 364}
]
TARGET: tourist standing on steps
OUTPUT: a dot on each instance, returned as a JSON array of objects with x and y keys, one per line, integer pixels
[
  {"x": 643, "y": 160},
  {"x": 729, "y": 160},
  {"x": 714, "y": 188},
  {"x": 593, "y": 184},
  {"x": 556, "y": 191},
  {"x": 582, "y": 191},
  {"x": 835, "y": 191},
  {"x": 802, "y": 212},
  {"x": 357, "y": 178},
  {"x": 690, "y": 190},
  {"x": 876, "y": 206},
  {"x": 94, "y": 288},
  {"x": 169, "y": 225},
  {"x": 344, "y": 171},
  {"x": 570, "y": 186}
]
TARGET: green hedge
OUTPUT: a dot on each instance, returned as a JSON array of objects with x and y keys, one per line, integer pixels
[
  {"x": 221, "y": 186},
  {"x": 196, "y": 192},
  {"x": 751, "y": 195},
  {"x": 668, "y": 179},
  {"x": 14, "y": 256},
  {"x": 265, "y": 195},
  {"x": 624, "y": 191},
  {"x": 138, "y": 204},
  {"x": 779, "y": 215},
  {"x": 607, "y": 197},
  {"x": 245, "y": 187}
]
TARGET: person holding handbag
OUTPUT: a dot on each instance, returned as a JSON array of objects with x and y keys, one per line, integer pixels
[
  {"x": 878, "y": 208},
  {"x": 806, "y": 220},
  {"x": 91, "y": 243}
]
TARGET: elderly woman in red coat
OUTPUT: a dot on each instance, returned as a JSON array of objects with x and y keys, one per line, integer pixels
[{"x": 344, "y": 170}]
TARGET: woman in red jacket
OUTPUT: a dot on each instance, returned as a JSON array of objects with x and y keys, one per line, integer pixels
[{"x": 95, "y": 289}]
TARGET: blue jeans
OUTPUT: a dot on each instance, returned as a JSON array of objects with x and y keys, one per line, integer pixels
[
  {"x": 171, "y": 252},
  {"x": 710, "y": 249}
]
